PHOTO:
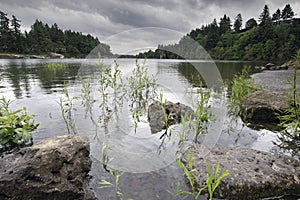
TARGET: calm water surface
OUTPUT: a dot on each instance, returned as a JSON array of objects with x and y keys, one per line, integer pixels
[{"x": 148, "y": 173}]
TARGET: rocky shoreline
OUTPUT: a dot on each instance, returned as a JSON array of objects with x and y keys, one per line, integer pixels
[
  {"x": 253, "y": 174},
  {"x": 271, "y": 100},
  {"x": 20, "y": 56}
]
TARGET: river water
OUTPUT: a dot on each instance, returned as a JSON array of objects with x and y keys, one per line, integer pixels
[{"x": 148, "y": 170}]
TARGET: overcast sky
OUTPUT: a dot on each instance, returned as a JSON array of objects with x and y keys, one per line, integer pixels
[{"x": 124, "y": 25}]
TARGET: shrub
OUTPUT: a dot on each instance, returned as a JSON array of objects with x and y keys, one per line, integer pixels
[
  {"x": 242, "y": 85},
  {"x": 290, "y": 121},
  {"x": 16, "y": 127}
]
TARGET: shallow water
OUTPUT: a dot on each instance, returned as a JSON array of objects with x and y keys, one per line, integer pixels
[{"x": 148, "y": 172}]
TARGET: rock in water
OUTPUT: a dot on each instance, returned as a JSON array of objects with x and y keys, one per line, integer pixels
[
  {"x": 157, "y": 119},
  {"x": 269, "y": 65},
  {"x": 253, "y": 174},
  {"x": 55, "y": 168},
  {"x": 263, "y": 106}
]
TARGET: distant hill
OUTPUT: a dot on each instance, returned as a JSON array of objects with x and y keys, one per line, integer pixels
[
  {"x": 42, "y": 39},
  {"x": 276, "y": 38}
]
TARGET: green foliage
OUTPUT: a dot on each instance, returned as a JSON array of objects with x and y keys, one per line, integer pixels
[
  {"x": 274, "y": 41},
  {"x": 167, "y": 116},
  {"x": 66, "y": 104},
  {"x": 251, "y": 23},
  {"x": 111, "y": 91},
  {"x": 186, "y": 126},
  {"x": 224, "y": 24},
  {"x": 114, "y": 173},
  {"x": 5, "y": 34},
  {"x": 238, "y": 22},
  {"x": 276, "y": 16},
  {"x": 287, "y": 12},
  {"x": 104, "y": 82},
  {"x": 87, "y": 95},
  {"x": 242, "y": 85},
  {"x": 117, "y": 86},
  {"x": 202, "y": 114},
  {"x": 140, "y": 91},
  {"x": 16, "y": 127},
  {"x": 54, "y": 67},
  {"x": 42, "y": 39},
  {"x": 212, "y": 180},
  {"x": 105, "y": 159},
  {"x": 290, "y": 121},
  {"x": 198, "y": 122},
  {"x": 265, "y": 17}
]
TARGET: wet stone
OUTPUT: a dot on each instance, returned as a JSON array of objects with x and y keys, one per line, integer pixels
[
  {"x": 253, "y": 174},
  {"x": 156, "y": 115},
  {"x": 55, "y": 168}
]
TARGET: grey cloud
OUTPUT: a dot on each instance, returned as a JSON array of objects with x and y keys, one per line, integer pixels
[{"x": 105, "y": 18}]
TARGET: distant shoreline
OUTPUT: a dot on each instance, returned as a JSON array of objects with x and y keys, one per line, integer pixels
[{"x": 29, "y": 56}]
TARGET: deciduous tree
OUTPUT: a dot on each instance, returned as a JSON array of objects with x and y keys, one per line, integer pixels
[{"x": 251, "y": 23}]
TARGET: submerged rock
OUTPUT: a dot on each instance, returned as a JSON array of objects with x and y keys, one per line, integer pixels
[
  {"x": 156, "y": 116},
  {"x": 253, "y": 174},
  {"x": 263, "y": 106},
  {"x": 55, "y": 168}
]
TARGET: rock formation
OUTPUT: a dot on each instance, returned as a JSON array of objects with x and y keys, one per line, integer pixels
[
  {"x": 263, "y": 106},
  {"x": 253, "y": 174},
  {"x": 156, "y": 116},
  {"x": 55, "y": 168}
]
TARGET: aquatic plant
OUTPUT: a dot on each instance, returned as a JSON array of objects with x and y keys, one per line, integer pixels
[
  {"x": 117, "y": 86},
  {"x": 202, "y": 115},
  {"x": 185, "y": 131},
  {"x": 241, "y": 86},
  {"x": 212, "y": 180},
  {"x": 197, "y": 122},
  {"x": 104, "y": 79},
  {"x": 140, "y": 91},
  {"x": 66, "y": 103},
  {"x": 111, "y": 91},
  {"x": 167, "y": 115},
  {"x": 114, "y": 173},
  {"x": 87, "y": 100},
  {"x": 56, "y": 66},
  {"x": 290, "y": 120},
  {"x": 16, "y": 127}
]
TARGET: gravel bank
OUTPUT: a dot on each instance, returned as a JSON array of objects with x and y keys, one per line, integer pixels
[{"x": 275, "y": 80}]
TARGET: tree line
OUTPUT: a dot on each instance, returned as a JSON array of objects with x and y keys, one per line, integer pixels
[
  {"x": 42, "y": 39},
  {"x": 273, "y": 38}
]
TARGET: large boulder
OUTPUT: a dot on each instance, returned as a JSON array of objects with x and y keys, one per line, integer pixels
[
  {"x": 263, "y": 106},
  {"x": 156, "y": 116},
  {"x": 55, "y": 168},
  {"x": 252, "y": 174}
]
